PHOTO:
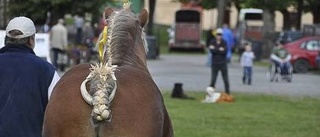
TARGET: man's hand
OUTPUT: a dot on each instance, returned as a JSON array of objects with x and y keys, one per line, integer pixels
[
  {"x": 211, "y": 47},
  {"x": 221, "y": 48}
]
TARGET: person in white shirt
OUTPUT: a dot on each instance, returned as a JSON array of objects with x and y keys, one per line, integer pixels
[
  {"x": 246, "y": 62},
  {"x": 58, "y": 41}
]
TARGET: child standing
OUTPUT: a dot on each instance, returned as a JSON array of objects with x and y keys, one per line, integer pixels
[{"x": 246, "y": 61}]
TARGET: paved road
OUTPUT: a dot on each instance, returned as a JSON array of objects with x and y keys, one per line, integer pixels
[{"x": 195, "y": 76}]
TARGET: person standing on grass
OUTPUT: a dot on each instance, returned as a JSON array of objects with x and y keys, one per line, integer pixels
[
  {"x": 26, "y": 82},
  {"x": 58, "y": 41},
  {"x": 218, "y": 49},
  {"x": 246, "y": 62}
]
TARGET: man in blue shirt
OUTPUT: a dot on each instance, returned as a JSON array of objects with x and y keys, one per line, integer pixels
[
  {"x": 26, "y": 82},
  {"x": 229, "y": 38}
]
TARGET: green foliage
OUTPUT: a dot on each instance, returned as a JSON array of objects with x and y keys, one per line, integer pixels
[
  {"x": 266, "y": 4},
  {"x": 182, "y": 1},
  {"x": 206, "y": 4},
  {"x": 251, "y": 115},
  {"x": 310, "y": 5},
  {"x": 37, "y": 9},
  {"x": 34, "y": 9},
  {"x": 209, "y": 4}
]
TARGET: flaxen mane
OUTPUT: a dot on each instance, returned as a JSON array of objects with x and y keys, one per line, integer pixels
[{"x": 124, "y": 29}]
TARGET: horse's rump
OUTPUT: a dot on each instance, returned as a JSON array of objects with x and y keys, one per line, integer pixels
[
  {"x": 137, "y": 109},
  {"x": 66, "y": 108}
]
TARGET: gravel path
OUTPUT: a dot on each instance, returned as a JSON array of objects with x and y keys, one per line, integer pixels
[{"x": 195, "y": 76}]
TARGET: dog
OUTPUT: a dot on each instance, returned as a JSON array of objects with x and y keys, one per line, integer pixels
[{"x": 214, "y": 97}]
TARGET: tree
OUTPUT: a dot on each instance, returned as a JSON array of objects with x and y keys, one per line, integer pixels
[
  {"x": 30, "y": 8},
  {"x": 221, "y": 10},
  {"x": 273, "y": 5},
  {"x": 206, "y": 4},
  {"x": 209, "y": 4},
  {"x": 313, "y": 6},
  {"x": 269, "y": 7},
  {"x": 300, "y": 7},
  {"x": 152, "y": 4},
  {"x": 37, "y": 9}
]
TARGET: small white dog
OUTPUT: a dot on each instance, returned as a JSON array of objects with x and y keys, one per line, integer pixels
[{"x": 211, "y": 96}]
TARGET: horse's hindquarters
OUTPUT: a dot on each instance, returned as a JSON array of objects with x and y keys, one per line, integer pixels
[
  {"x": 67, "y": 115},
  {"x": 137, "y": 109}
]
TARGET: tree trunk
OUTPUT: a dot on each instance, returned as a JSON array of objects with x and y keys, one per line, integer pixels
[
  {"x": 316, "y": 15},
  {"x": 268, "y": 31},
  {"x": 299, "y": 14},
  {"x": 152, "y": 4},
  {"x": 286, "y": 19},
  {"x": 238, "y": 7},
  {"x": 221, "y": 10}
]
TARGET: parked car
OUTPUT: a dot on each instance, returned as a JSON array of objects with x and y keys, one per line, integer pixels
[
  {"x": 289, "y": 36},
  {"x": 318, "y": 61},
  {"x": 304, "y": 52}
]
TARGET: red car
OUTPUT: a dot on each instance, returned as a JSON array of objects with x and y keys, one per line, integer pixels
[{"x": 304, "y": 51}]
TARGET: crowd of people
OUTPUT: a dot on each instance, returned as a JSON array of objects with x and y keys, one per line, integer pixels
[
  {"x": 220, "y": 42},
  {"x": 75, "y": 45}
]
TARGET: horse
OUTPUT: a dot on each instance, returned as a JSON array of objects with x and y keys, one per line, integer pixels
[{"x": 132, "y": 104}]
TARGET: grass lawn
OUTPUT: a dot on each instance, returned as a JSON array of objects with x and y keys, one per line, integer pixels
[{"x": 252, "y": 115}]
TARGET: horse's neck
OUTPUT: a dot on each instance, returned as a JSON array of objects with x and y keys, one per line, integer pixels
[{"x": 131, "y": 56}]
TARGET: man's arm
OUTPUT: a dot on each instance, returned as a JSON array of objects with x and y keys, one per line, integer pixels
[
  {"x": 54, "y": 81},
  {"x": 252, "y": 55},
  {"x": 223, "y": 48},
  {"x": 275, "y": 57},
  {"x": 288, "y": 58}
]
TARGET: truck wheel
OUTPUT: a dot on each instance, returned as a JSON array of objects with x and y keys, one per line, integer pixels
[{"x": 301, "y": 66}]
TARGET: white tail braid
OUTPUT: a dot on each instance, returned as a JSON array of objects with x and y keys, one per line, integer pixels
[{"x": 103, "y": 84}]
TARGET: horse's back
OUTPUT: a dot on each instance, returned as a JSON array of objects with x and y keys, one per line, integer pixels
[{"x": 137, "y": 109}]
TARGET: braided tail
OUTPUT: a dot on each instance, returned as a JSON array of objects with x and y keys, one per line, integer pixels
[{"x": 103, "y": 86}]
